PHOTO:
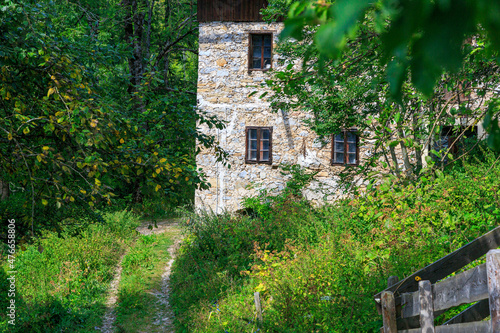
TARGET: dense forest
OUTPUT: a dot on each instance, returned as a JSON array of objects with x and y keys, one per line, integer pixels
[
  {"x": 97, "y": 107},
  {"x": 98, "y": 143}
]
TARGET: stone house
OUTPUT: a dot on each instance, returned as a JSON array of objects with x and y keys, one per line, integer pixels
[{"x": 235, "y": 54}]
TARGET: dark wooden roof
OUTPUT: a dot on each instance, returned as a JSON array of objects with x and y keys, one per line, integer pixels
[{"x": 230, "y": 10}]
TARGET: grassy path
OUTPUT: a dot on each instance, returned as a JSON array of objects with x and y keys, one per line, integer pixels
[{"x": 139, "y": 296}]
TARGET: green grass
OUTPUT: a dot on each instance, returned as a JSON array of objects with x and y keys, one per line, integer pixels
[
  {"x": 62, "y": 280},
  {"x": 143, "y": 266}
]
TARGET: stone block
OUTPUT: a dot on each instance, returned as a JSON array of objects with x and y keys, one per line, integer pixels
[{"x": 221, "y": 62}]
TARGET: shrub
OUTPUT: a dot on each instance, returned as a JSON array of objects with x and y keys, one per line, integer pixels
[{"x": 318, "y": 268}]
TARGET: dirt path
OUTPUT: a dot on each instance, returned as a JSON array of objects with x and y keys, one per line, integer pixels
[{"x": 164, "y": 316}]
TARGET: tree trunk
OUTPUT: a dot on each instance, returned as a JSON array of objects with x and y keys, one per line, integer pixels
[
  {"x": 418, "y": 149},
  {"x": 4, "y": 190}
]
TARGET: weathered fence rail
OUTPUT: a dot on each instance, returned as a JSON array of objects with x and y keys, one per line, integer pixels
[{"x": 410, "y": 305}]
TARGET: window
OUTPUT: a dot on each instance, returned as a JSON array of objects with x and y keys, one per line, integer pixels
[
  {"x": 260, "y": 51},
  {"x": 447, "y": 141},
  {"x": 259, "y": 142},
  {"x": 345, "y": 149}
]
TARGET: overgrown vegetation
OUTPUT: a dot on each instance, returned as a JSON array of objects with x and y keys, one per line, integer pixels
[
  {"x": 96, "y": 105},
  {"x": 398, "y": 99},
  {"x": 317, "y": 268},
  {"x": 62, "y": 279}
]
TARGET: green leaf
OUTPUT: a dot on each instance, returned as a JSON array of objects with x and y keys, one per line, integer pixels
[{"x": 393, "y": 143}]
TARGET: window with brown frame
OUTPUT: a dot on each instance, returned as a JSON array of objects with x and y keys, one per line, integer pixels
[
  {"x": 450, "y": 142},
  {"x": 259, "y": 141},
  {"x": 345, "y": 148},
  {"x": 260, "y": 51}
]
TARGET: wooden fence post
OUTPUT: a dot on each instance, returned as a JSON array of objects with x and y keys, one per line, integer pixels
[
  {"x": 258, "y": 307},
  {"x": 393, "y": 279},
  {"x": 493, "y": 273},
  {"x": 389, "y": 312},
  {"x": 426, "y": 306}
]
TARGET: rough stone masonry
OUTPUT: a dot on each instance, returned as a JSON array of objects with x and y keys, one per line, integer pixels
[{"x": 225, "y": 85}]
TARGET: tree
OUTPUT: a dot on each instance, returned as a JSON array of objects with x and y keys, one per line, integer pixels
[
  {"x": 86, "y": 110},
  {"x": 348, "y": 80}
]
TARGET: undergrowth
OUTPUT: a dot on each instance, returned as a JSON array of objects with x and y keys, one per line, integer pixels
[
  {"x": 317, "y": 269},
  {"x": 62, "y": 278}
]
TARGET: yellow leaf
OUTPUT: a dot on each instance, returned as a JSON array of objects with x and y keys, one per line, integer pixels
[
  {"x": 122, "y": 141},
  {"x": 187, "y": 178},
  {"x": 155, "y": 153},
  {"x": 93, "y": 123},
  {"x": 71, "y": 199},
  {"x": 39, "y": 158},
  {"x": 83, "y": 191},
  {"x": 26, "y": 130},
  {"x": 157, "y": 188},
  {"x": 10, "y": 136},
  {"x": 97, "y": 182},
  {"x": 163, "y": 160},
  {"x": 53, "y": 77},
  {"x": 45, "y": 148},
  {"x": 158, "y": 170},
  {"x": 139, "y": 160},
  {"x": 45, "y": 202},
  {"x": 50, "y": 92}
]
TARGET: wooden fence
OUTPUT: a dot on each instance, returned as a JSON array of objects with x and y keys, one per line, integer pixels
[{"x": 410, "y": 305}]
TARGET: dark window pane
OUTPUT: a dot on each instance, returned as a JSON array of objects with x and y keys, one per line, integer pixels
[
  {"x": 339, "y": 137},
  {"x": 264, "y": 155},
  {"x": 257, "y": 52},
  {"x": 267, "y": 63},
  {"x": 267, "y": 40},
  {"x": 267, "y": 52},
  {"x": 256, "y": 40},
  {"x": 253, "y": 134},
  {"x": 339, "y": 158},
  {"x": 253, "y": 155},
  {"x": 339, "y": 147},
  {"x": 265, "y": 134},
  {"x": 256, "y": 63},
  {"x": 351, "y": 137},
  {"x": 253, "y": 144},
  {"x": 352, "y": 148},
  {"x": 352, "y": 158},
  {"x": 265, "y": 144}
]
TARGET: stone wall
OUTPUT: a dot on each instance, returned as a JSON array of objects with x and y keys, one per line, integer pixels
[{"x": 224, "y": 89}]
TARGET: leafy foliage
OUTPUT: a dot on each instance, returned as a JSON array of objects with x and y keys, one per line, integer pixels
[
  {"x": 346, "y": 80},
  {"x": 95, "y": 103},
  {"x": 319, "y": 273}
]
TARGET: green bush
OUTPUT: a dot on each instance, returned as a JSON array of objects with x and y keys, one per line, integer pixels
[{"x": 318, "y": 268}]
